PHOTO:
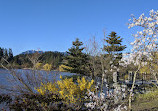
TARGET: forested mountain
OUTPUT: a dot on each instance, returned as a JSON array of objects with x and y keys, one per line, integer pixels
[
  {"x": 25, "y": 60},
  {"x": 28, "y": 58},
  {"x": 53, "y": 58}
]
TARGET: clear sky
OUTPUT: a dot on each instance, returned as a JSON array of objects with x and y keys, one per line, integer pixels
[{"x": 52, "y": 25}]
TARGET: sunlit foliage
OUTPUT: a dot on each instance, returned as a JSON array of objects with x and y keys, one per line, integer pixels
[
  {"x": 38, "y": 66},
  {"x": 63, "y": 67},
  {"x": 47, "y": 67},
  {"x": 151, "y": 67},
  {"x": 68, "y": 90}
]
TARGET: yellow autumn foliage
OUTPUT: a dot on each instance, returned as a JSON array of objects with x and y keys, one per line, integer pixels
[
  {"x": 63, "y": 67},
  {"x": 47, "y": 67},
  {"x": 68, "y": 90},
  {"x": 38, "y": 66}
]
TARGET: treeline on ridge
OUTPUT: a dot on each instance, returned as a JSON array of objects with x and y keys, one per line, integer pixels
[{"x": 27, "y": 60}]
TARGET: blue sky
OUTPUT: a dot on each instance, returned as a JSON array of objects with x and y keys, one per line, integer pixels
[{"x": 52, "y": 25}]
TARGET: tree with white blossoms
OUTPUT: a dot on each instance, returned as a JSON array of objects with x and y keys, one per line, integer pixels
[
  {"x": 145, "y": 43},
  {"x": 144, "y": 47},
  {"x": 106, "y": 101}
]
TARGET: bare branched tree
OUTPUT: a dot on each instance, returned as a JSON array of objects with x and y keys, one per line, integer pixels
[
  {"x": 34, "y": 58},
  {"x": 93, "y": 50}
]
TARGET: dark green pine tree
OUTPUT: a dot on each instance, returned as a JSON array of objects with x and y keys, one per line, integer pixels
[
  {"x": 5, "y": 52},
  {"x": 114, "y": 47},
  {"x": 10, "y": 55},
  {"x": 1, "y": 53},
  {"x": 76, "y": 59}
]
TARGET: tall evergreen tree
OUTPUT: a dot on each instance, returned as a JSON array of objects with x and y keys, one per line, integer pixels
[
  {"x": 1, "y": 53},
  {"x": 114, "y": 50},
  {"x": 114, "y": 47},
  {"x": 10, "y": 54},
  {"x": 5, "y": 52},
  {"x": 76, "y": 59}
]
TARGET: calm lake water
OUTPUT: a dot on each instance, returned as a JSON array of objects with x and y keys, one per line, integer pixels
[{"x": 7, "y": 81}]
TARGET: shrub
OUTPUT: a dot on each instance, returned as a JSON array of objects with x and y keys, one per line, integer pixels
[
  {"x": 68, "y": 90},
  {"x": 63, "y": 67},
  {"x": 47, "y": 67},
  {"x": 38, "y": 66},
  {"x": 35, "y": 102}
]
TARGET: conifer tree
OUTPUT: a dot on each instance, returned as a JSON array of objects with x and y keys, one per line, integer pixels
[
  {"x": 10, "y": 54},
  {"x": 113, "y": 55},
  {"x": 5, "y": 51},
  {"x": 1, "y": 53},
  {"x": 76, "y": 59},
  {"x": 114, "y": 47}
]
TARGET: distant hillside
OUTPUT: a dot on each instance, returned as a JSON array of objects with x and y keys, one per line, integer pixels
[
  {"x": 40, "y": 51},
  {"x": 32, "y": 51},
  {"x": 51, "y": 57}
]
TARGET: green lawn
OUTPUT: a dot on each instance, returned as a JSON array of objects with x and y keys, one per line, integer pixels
[{"x": 146, "y": 102}]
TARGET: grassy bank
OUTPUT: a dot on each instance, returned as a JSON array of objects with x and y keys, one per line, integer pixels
[{"x": 146, "y": 102}]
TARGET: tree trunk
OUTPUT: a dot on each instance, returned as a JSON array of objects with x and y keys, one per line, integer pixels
[{"x": 131, "y": 91}]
